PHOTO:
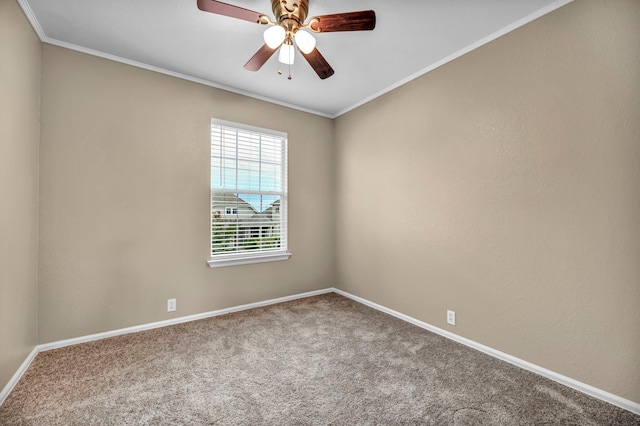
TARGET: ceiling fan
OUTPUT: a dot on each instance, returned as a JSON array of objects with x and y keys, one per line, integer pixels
[{"x": 287, "y": 29}]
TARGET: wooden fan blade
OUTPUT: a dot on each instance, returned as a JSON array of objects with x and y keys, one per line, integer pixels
[
  {"x": 260, "y": 58},
  {"x": 225, "y": 9},
  {"x": 351, "y": 21},
  {"x": 318, "y": 63}
]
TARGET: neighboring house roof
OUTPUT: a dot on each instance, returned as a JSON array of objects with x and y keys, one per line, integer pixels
[
  {"x": 225, "y": 199},
  {"x": 271, "y": 210},
  {"x": 228, "y": 199}
]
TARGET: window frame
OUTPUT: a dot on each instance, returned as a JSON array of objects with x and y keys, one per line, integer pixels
[{"x": 249, "y": 257}]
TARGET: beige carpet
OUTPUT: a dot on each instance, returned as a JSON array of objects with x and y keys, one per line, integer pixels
[{"x": 322, "y": 360}]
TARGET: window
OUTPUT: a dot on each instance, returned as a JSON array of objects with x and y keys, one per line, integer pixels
[{"x": 248, "y": 194}]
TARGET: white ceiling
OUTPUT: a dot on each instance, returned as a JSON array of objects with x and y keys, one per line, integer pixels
[{"x": 411, "y": 38}]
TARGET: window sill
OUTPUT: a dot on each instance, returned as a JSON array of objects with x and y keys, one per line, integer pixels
[{"x": 245, "y": 259}]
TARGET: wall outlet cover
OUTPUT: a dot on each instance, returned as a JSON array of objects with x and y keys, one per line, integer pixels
[
  {"x": 171, "y": 305},
  {"x": 451, "y": 317}
]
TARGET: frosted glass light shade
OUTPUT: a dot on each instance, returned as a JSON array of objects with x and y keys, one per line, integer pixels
[
  {"x": 274, "y": 36},
  {"x": 286, "y": 54},
  {"x": 305, "y": 41}
]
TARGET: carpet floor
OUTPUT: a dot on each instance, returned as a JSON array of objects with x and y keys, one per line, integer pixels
[{"x": 323, "y": 360}]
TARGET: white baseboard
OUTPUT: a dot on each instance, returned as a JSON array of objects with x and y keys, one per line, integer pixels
[
  {"x": 556, "y": 377},
  {"x": 567, "y": 381},
  {"x": 179, "y": 320},
  {"x": 14, "y": 379}
]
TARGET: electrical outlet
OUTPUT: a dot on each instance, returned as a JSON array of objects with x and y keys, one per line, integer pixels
[
  {"x": 171, "y": 305},
  {"x": 451, "y": 317}
]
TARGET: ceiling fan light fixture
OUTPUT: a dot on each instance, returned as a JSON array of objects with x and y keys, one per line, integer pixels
[
  {"x": 290, "y": 17},
  {"x": 305, "y": 41},
  {"x": 286, "y": 55},
  {"x": 274, "y": 36}
]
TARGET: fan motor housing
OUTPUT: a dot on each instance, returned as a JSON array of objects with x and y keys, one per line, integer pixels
[{"x": 290, "y": 9}]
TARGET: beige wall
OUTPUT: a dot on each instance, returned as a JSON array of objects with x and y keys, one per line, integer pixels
[
  {"x": 124, "y": 193},
  {"x": 506, "y": 186},
  {"x": 19, "y": 135}
]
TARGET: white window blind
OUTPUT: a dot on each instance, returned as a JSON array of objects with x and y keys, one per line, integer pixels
[{"x": 248, "y": 194}]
